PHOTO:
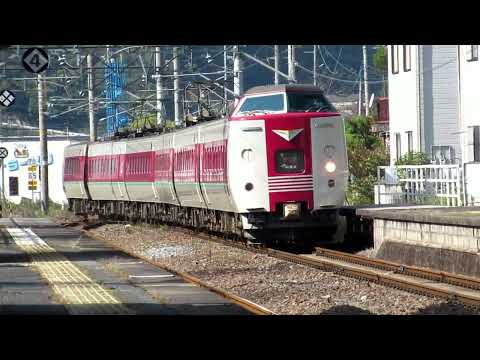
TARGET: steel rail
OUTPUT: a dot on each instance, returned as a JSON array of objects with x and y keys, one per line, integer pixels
[
  {"x": 394, "y": 275},
  {"x": 383, "y": 272}
]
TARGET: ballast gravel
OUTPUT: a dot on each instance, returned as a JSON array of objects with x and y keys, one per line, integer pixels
[{"x": 283, "y": 287}]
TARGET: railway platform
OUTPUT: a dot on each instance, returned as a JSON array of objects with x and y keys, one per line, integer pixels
[
  {"x": 51, "y": 270},
  {"x": 438, "y": 237}
]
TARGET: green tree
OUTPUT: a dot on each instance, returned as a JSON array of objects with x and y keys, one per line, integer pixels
[
  {"x": 380, "y": 61},
  {"x": 366, "y": 152}
]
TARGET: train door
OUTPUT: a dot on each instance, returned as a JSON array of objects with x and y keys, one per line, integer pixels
[{"x": 118, "y": 173}]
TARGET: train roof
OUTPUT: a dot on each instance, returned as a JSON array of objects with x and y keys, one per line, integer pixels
[{"x": 283, "y": 88}]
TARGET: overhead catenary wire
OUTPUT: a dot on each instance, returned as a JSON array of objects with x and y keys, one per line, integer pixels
[{"x": 323, "y": 59}]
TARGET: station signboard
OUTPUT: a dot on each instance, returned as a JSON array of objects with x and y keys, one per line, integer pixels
[{"x": 32, "y": 178}]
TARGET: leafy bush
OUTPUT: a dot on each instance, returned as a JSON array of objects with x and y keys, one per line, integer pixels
[
  {"x": 366, "y": 152},
  {"x": 142, "y": 122},
  {"x": 413, "y": 158},
  {"x": 28, "y": 208}
]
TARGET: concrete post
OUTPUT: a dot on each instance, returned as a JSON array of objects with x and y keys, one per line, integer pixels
[{"x": 43, "y": 143}]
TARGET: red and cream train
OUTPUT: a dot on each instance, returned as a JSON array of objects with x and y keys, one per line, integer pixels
[{"x": 275, "y": 168}]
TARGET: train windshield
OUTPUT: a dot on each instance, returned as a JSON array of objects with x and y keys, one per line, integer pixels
[
  {"x": 263, "y": 104},
  {"x": 308, "y": 102}
]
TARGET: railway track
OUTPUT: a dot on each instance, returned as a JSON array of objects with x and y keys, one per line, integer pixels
[{"x": 455, "y": 288}]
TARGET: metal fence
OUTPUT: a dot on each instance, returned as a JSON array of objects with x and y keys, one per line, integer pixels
[{"x": 420, "y": 184}]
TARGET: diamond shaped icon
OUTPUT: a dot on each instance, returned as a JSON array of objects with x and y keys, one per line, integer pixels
[
  {"x": 7, "y": 98},
  {"x": 35, "y": 60}
]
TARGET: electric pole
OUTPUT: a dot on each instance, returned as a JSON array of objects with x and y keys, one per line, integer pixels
[
  {"x": 225, "y": 74},
  {"x": 276, "y": 55},
  {"x": 159, "y": 87},
  {"x": 176, "y": 87},
  {"x": 365, "y": 79},
  {"x": 291, "y": 64},
  {"x": 314, "y": 65},
  {"x": 360, "y": 92},
  {"x": 91, "y": 115},
  {"x": 43, "y": 144},
  {"x": 238, "y": 73}
]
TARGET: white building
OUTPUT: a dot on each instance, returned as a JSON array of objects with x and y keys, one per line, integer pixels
[
  {"x": 24, "y": 152},
  {"x": 435, "y": 108},
  {"x": 469, "y": 78},
  {"x": 424, "y": 101}
]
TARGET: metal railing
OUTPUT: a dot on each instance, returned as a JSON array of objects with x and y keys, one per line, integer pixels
[{"x": 420, "y": 184}]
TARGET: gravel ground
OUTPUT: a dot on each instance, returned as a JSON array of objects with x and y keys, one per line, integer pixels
[{"x": 281, "y": 286}]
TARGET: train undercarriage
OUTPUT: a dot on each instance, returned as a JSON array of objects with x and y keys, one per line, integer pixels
[{"x": 266, "y": 228}]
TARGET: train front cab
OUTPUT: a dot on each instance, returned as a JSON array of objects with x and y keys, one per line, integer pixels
[{"x": 301, "y": 168}]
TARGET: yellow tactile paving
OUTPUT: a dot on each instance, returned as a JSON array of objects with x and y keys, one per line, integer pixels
[{"x": 77, "y": 291}]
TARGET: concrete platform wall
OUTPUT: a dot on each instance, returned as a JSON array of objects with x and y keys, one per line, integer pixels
[{"x": 452, "y": 237}]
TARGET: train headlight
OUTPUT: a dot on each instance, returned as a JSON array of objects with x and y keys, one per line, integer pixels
[{"x": 330, "y": 166}]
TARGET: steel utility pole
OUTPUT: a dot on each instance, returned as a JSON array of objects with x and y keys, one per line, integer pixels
[
  {"x": 315, "y": 65},
  {"x": 43, "y": 144},
  {"x": 238, "y": 72},
  {"x": 159, "y": 87},
  {"x": 360, "y": 92},
  {"x": 276, "y": 55},
  {"x": 291, "y": 64},
  {"x": 2, "y": 194},
  {"x": 91, "y": 115},
  {"x": 365, "y": 79},
  {"x": 225, "y": 70},
  {"x": 176, "y": 87}
]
